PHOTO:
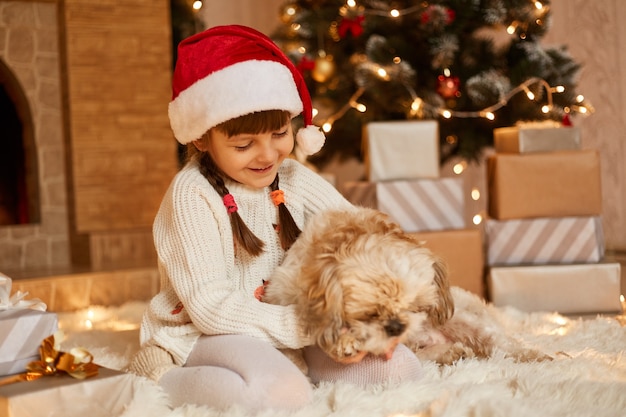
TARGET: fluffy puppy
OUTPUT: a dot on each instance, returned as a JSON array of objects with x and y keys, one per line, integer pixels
[{"x": 362, "y": 286}]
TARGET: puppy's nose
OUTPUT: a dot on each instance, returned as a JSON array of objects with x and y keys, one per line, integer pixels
[{"x": 394, "y": 327}]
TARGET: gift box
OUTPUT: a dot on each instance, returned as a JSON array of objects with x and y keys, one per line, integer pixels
[
  {"x": 401, "y": 150},
  {"x": 22, "y": 332},
  {"x": 416, "y": 205},
  {"x": 462, "y": 251},
  {"x": 532, "y": 138},
  {"x": 545, "y": 184},
  {"x": 544, "y": 240},
  {"x": 103, "y": 395},
  {"x": 566, "y": 289}
]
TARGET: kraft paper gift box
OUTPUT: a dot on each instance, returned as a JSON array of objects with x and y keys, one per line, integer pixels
[
  {"x": 462, "y": 251},
  {"x": 401, "y": 150},
  {"x": 416, "y": 205},
  {"x": 532, "y": 138},
  {"x": 544, "y": 240},
  {"x": 103, "y": 395},
  {"x": 566, "y": 289},
  {"x": 544, "y": 184}
]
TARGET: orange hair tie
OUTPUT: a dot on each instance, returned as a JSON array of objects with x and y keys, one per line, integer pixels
[{"x": 278, "y": 197}]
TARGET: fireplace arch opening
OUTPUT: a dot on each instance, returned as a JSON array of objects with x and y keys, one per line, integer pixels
[{"x": 19, "y": 190}]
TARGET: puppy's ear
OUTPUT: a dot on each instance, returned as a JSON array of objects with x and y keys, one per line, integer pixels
[
  {"x": 324, "y": 307},
  {"x": 443, "y": 309}
]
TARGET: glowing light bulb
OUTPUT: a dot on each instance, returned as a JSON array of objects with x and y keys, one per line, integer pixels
[
  {"x": 582, "y": 110},
  {"x": 559, "y": 89},
  {"x": 530, "y": 95},
  {"x": 475, "y": 194},
  {"x": 197, "y": 5},
  {"x": 381, "y": 72},
  {"x": 351, "y": 3},
  {"x": 314, "y": 111},
  {"x": 477, "y": 219},
  {"x": 489, "y": 115},
  {"x": 326, "y": 127},
  {"x": 417, "y": 103},
  {"x": 459, "y": 168},
  {"x": 446, "y": 114},
  {"x": 545, "y": 109},
  {"x": 394, "y": 13},
  {"x": 360, "y": 107},
  {"x": 510, "y": 29},
  {"x": 580, "y": 98}
]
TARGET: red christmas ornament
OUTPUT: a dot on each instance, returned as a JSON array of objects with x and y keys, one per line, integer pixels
[
  {"x": 436, "y": 15},
  {"x": 305, "y": 64},
  {"x": 352, "y": 25},
  {"x": 448, "y": 86},
  {"x": 567, "y": 121}
]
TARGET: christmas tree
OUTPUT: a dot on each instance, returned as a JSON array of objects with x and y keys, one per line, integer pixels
[{"x": 473, "y": 65}]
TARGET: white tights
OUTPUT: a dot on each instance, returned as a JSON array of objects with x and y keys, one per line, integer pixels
[{"x": 235, "y": 369}]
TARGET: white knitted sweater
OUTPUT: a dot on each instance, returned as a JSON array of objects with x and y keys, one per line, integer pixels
[{"x": 207, "y": 287}]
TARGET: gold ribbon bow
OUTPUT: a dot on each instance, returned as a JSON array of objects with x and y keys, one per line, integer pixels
[{"x": 78, "y": 363}]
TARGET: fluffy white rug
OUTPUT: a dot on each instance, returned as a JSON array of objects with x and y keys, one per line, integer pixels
[{"x": 586, "y": 378}]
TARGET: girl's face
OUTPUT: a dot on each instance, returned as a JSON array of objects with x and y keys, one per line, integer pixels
[{"x": 251, "y": 159}]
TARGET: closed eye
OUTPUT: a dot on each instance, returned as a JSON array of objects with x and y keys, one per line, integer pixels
[
  {"x": 281, "y": 133},
  {"x": 243, "y": 148}
]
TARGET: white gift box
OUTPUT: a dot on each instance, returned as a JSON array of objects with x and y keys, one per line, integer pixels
[
  {"x": 22, "y": 333},
  {"x": 416, "y": 205},
  {"x": 544, "y": 240},
  {"x": 103, "y": 395},
  {"x": 401, "y": 150},
  {"x": 523, "y": 139},
  {"x": 566, "y": 289}
]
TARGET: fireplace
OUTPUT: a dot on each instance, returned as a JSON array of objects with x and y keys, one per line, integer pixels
[
  {"x": 33, "y": 204},
  {"x": 19, "y": 196}
]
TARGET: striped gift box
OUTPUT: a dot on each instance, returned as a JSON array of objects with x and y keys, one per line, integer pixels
[
  {"x": 544, "y": 240},
  {"x": 22, "y": 332},
  {"x": 416, "y": 205}
]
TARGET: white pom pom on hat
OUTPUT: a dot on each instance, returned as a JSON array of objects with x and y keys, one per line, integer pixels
[{"x": 228, "y": 71}]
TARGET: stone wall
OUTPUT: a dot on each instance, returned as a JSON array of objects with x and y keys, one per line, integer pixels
[{"x": 29, "y": 49}]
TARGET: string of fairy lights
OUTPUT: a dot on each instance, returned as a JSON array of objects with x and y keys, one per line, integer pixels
[{"x": 515, "y": 28}]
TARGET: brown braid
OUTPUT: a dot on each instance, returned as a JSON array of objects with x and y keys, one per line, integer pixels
[
  {"x": 242, "y": 234},
  {"x": 288, "y": 231}
]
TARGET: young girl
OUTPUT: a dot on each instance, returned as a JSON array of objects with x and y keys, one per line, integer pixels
[{"x": 224, "y": 225}]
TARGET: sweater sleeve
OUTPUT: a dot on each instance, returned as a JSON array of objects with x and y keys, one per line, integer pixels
[{"x": 194, "y": 243}]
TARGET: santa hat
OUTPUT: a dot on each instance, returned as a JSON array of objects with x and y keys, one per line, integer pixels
[{"x": 229, "y": 71}]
